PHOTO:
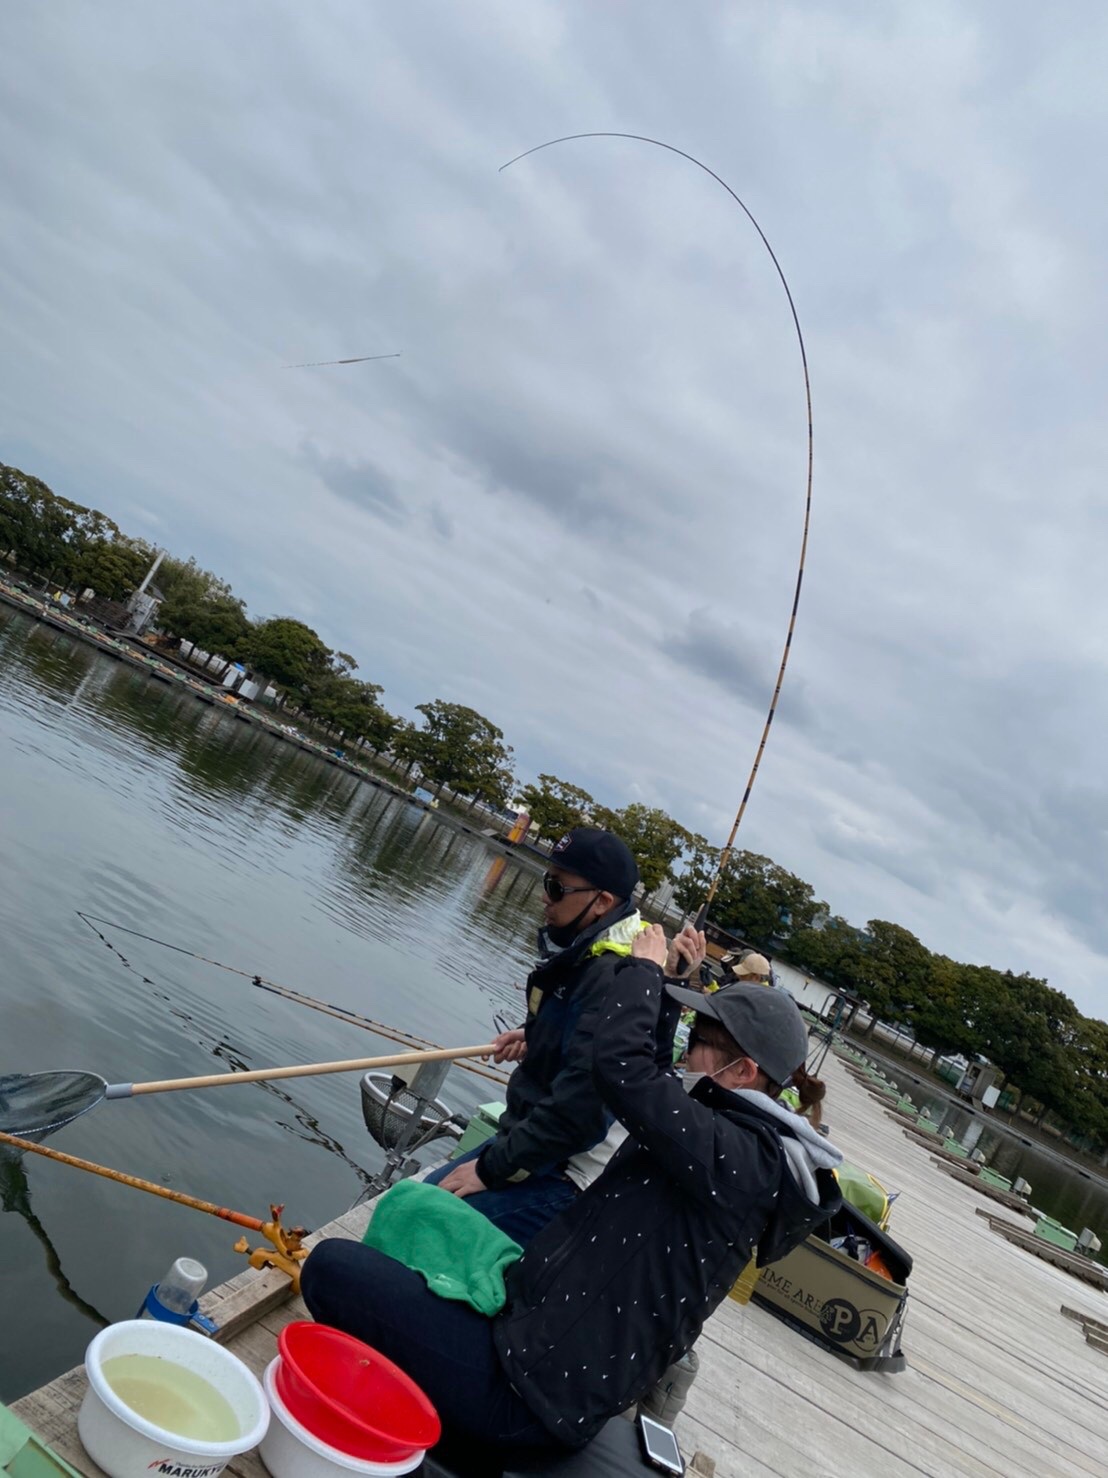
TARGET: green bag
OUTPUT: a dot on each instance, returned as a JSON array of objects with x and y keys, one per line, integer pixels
[{"x": 865, "y": 1192}]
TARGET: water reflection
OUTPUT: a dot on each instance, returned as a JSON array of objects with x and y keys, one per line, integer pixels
[
  {"x": 15, "y": 1200},
  {"x": 127, "y": 799},
  {"x": 1075, "y": 1197}
]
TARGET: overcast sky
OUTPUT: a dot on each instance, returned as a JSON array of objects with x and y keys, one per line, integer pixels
[{"x": 575, "y": 501}]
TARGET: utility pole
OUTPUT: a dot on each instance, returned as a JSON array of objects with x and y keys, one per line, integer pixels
[{"x": 151, "y": 572}]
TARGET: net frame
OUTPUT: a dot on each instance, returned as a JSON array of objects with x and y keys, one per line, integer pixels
[{"x": 33, "y": 1105}]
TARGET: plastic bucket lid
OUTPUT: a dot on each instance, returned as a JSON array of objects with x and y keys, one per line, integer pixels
[
  {"x": 290, "y": 1449},
  {"x": 350, "y": 1396}
]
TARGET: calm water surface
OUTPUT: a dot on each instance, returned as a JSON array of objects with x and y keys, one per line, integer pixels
[
  {"x": 123, "y": 798},
  {"x": 1077, "y": 1200}
]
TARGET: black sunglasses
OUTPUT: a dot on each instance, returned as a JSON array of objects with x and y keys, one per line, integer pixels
[{"x": 556, "y": 890}]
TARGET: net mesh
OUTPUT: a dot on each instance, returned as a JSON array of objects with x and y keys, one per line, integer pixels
[
  {"x": 389, "y": 1109},
  {"x": 35, "y": 1104}
]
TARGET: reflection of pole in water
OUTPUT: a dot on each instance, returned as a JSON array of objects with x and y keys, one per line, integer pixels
[
  {"x": 15, "y": 1196},
  {"x": 496, "y": 871},
  {"x": 973, "y": 1132}
]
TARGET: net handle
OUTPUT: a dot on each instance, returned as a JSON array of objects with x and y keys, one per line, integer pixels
[{"x": 303, "y": 1070}]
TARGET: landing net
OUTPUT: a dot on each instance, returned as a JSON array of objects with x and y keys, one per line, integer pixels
[{"x": 33, "y": 1105}]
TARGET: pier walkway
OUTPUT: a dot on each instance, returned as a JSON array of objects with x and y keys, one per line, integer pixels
[{"x": 999, "y": 1384}]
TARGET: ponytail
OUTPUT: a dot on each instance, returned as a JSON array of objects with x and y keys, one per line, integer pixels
[{"x": 811, "y": 1092}]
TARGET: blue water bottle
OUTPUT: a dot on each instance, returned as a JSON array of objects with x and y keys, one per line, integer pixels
[{"x": 174, "y": 1299}]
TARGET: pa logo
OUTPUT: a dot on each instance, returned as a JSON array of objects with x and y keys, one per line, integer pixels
[
  {"x": 844, "y": 1324},
  {"x": 561, "y": 845},
  {"x": 840, "y": 1320}
]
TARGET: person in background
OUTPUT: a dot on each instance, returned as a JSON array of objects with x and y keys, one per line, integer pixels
[
  {"x": 614, "y": 1290},
  {"x": 748, "y": 965},
  {"x": 553, "y": 1136}
]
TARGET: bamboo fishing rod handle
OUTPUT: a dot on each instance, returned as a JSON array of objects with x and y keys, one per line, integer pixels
[
  {"x": 253, "y": 1223},
  {"x": 305, "y": 1070}
]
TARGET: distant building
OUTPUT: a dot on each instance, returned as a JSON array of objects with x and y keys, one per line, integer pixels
[{"x": 142, "y": 608}]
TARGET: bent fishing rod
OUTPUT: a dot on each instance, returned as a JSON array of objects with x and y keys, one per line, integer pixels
[{"x": 728, "y": 847}]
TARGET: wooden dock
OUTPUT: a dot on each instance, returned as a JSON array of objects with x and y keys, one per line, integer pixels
[
  {"x": 1074, "y": 1263},
  {"x": 1003, "y": 1379},
  {"x": 968, "y": 1175}
]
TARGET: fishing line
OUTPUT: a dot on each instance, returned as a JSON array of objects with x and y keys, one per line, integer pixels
[
  {"x": 725, "y": 854},
  {"x": 341, "y": 1013},
  {"x": 323, "y": 363},
  {"x": 313, "y": 1131}
]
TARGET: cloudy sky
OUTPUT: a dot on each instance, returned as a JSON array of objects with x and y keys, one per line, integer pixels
[{"x": 575, "y": 500}]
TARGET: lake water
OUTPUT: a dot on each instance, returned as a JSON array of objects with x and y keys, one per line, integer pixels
[
  {"x": 1077, "y": 1199},
  {"x": 125, "y": 799}
]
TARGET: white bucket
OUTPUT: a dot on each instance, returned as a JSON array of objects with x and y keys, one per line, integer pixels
[
  {"x": 127, "y": 1445},
  {"x": 291, "y": 1451}
]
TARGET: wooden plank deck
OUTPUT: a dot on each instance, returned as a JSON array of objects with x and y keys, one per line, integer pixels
[{"x": 1001, "y": 1382}]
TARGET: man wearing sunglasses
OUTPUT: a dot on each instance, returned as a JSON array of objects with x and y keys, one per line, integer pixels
[{"x": 553, "y": 1137}]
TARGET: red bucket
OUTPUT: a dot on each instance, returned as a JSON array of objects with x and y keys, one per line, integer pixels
[{"x": 351, "y": 1397}]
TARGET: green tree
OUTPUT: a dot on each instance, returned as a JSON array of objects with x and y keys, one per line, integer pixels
[
  {"x": 1029, "y": 1029},
  {"x": 47, "y": 534},
  {"x": 407, "y": 744},
  {"x": 756, "y": 898},
  {"x": 352, "y": 708},
  {"x": 461, "y": 748},
  {"x": 941, "y": 1017},
  {"x": 35, "y": 524},
  {"x": 655, "y": 839},
  {"x": 895, "y": 971},
  {"x": 832, "y": 952},
  {"x": 701, "y": 860},
  {"x": 555, "y": 806},
  {"x": 114, "y": 568},
  {"x": 200, "y": 608},
  {"x": 1088, "y": 1108},
  {"x": 290, "y": 653}
]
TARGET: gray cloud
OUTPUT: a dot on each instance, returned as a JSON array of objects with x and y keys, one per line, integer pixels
[
  {"x": 441, "y": 522},
  {"x": 726, "y": 656},
  {"x": 362, "y": 484}
]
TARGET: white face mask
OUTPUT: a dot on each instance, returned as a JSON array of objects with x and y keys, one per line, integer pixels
[{"x": 691, "y": 1078}]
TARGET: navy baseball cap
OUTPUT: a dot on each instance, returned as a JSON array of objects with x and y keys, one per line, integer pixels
[{"x": 600, "y": 857}]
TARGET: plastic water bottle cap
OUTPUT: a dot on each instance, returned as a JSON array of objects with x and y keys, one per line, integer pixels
[{"x": 182, "y": 1285}]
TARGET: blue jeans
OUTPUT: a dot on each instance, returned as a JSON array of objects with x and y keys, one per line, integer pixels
[
  {"x": 446, "y": 1347},
  {"x": 520, "y": 1210}
]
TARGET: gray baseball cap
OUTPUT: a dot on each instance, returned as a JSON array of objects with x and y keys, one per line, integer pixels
[{"x": 765, "y": 1022}]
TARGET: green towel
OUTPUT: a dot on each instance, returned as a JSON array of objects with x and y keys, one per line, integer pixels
[{"x": 459, "y": 1251}]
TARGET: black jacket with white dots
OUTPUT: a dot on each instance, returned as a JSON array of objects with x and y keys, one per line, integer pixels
[{"x": 618, "y": 1287}]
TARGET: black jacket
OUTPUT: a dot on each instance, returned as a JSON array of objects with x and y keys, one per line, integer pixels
[
  {"x": 616, "y": 1288},
  {"x": 554, "y": 1109}
]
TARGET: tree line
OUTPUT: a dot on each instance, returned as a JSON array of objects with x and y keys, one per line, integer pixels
[{"x": 1033, "y": 1032}]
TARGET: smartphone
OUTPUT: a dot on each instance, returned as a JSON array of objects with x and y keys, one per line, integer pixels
[{"x": 660, "y": 1447}]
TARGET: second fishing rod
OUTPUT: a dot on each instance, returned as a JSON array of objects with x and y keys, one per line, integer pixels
[{"x": 286, "y": 992}]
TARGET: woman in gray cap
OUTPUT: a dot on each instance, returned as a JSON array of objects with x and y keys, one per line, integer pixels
[{"x": 615, "y": 1289}]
